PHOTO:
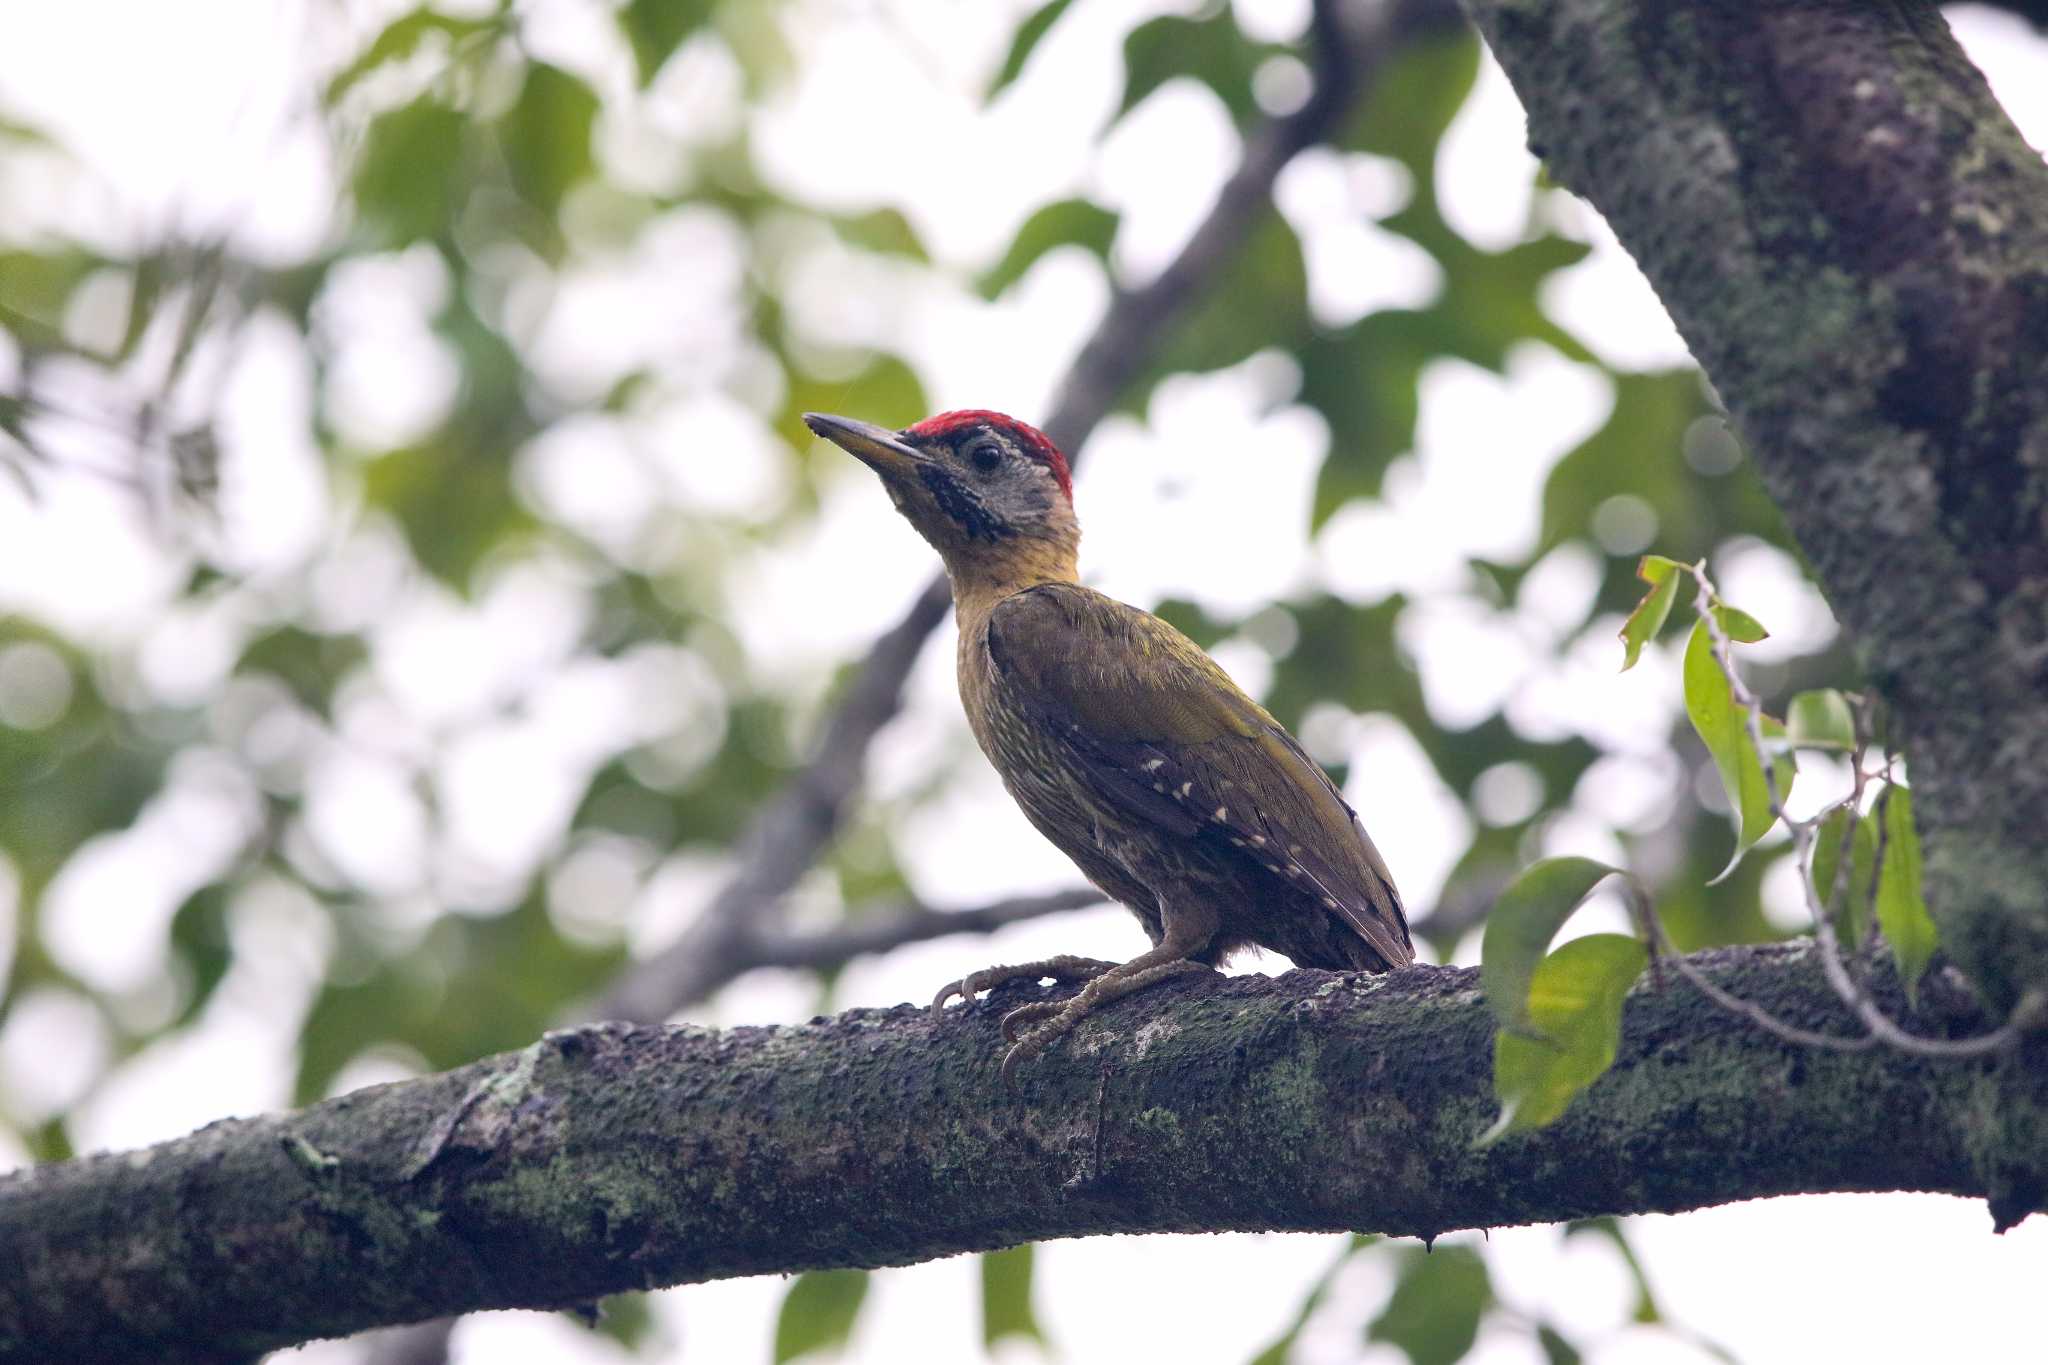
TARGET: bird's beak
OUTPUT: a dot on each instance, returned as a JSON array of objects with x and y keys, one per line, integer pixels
[{"x": 877, "y": 447}]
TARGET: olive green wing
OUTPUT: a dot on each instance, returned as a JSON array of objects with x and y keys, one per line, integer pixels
[{"x": 1160, "y": 732}]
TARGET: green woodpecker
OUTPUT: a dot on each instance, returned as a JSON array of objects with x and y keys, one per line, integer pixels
[{"x": 1124, "y": 743}]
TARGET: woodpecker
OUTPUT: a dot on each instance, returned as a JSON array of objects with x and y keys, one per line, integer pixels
[{"x": 1124, "y": 743}]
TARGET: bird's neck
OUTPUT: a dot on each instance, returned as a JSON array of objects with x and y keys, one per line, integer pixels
[{"x": 981, "y": 582}]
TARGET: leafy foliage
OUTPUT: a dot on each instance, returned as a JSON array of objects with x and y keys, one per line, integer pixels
[
  {"x": 1520, "y": 927},
  {"x": 1574, "y": 1028},
  {"x": 1723, "y": 726},
  {"x": 656, "y": 28},
  {"x": 818, "y": 1313},
  {"x": 1029, "y": 34},
  {"x": 1437, "y": 1305},
  {"x": 1206, "y": 47},
  {"x": 1901, "y": 910},
  {"x": 1006, "y": 1296}
]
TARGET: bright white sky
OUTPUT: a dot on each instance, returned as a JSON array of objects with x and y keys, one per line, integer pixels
[{"x": 195, "y": 117}]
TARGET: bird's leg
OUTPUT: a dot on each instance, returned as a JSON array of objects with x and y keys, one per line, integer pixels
[
  {"x": 1063, "y": 969},
  {"x": 1019, "y": 1020},
  {"x": 1187, "y": 932}
]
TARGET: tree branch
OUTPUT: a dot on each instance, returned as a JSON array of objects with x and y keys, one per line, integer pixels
[
  {"x": 1853, "y": 239},
  {"x": 799, "y": 823},
  {"x": 618, "y": 1157}
]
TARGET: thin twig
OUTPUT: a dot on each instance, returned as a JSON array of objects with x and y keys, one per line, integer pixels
[{"x": 1735, "y": 1004}]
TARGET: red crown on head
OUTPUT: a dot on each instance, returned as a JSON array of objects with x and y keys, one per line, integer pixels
[{"x": 1035, "y": 442}]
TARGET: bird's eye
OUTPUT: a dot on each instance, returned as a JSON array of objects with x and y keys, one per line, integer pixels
[{"x": 986, "y": 455}]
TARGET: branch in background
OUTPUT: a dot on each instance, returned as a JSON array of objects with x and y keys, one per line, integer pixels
[
  {"x": 863, "y": 935},
  {"x": 785, "y": 837},
  {"x": 790, "y": 833},
  {"x": 860, "y": 934},
  {"x": 621, "y": 1157}
]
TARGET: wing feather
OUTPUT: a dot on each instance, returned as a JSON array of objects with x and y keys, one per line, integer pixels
[{"x": 1168, "y": 738}]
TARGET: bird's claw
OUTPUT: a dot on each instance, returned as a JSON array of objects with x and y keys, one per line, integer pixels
[
  {"x": 1018, "y": 1020},
  {"x": 1036, "y": 1040},
  {"x": 1062, "y": 969}
]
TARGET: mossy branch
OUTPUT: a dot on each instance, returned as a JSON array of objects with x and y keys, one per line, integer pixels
[{"x": 619, "y": 1157}]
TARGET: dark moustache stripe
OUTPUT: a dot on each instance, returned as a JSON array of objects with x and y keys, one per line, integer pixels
[{"x": 960, "y": 503}]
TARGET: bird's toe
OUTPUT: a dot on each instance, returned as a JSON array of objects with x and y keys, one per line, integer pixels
[{"x": 1018, "y": 1020}]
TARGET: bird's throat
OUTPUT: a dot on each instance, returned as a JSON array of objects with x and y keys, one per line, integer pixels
[{"x": 981, "y": 581}]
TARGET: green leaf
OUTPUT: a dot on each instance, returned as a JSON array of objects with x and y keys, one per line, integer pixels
[
  {"x": 1852, "y": 911},
  {"x": 626, "y": 1319},
  {"x": 1653, "y": 611},
  {"x": 1723, "y": 726},
  {"x": 883, "y": 230},
  {"x": 1437, "y": 1304},
  {"x": 1739, "y": 625},
  {"x": 453, "y": 499},
  {"x": 1413, "y": 101},
  {"x": 886, "y": 391},
  {"x": 1646, "y": 1309},
  {"x": 14, "y": 129},
  {"x": 1363, "y": 381},
  {"x": 199, "y": 939},
  {"x": 1067, "y": 222},
  {"x": 1208, "y": 48},
  {"x": 818, "y": 1313},
  {"x": 1556, "y": 1350},
  {"x": 1820, "y": 719},
  {"x": 400, "y": 39},
  {"x": 311, "y": 665},
  {"x": 1575, "y": 1002},
  {"x": 412, "y": 173},
  {"x": 1901, "y": 909},
  {"x": 35, "y": 290},
  {"x": 1006, "y": 1296},
  {"x": 546, "y": 135},
  {"x": 1520, "y": 926},
  {"x": 1657, "y": 568},
  {"x": 1638, "y": 450},
  {"x": 656, "y": 28},
  {"x": 1282, "y": 1346},
  {"x": 1035, "y": 26}
]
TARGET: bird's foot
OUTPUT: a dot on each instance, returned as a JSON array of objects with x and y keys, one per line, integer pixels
[
  {"x": 1065, "y": 968},
  {"x": 1060, "y": 1016}
]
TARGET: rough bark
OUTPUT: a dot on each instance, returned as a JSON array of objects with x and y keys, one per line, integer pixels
[
  {"x": 619, "y": 1156},
  {"x": 1853, "y": 240}
]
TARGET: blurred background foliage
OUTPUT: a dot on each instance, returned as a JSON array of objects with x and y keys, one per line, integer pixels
[{"x": 527, "y": 529}]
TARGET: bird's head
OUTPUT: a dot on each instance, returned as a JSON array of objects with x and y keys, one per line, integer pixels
[{"x": 990, "y": 493}]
